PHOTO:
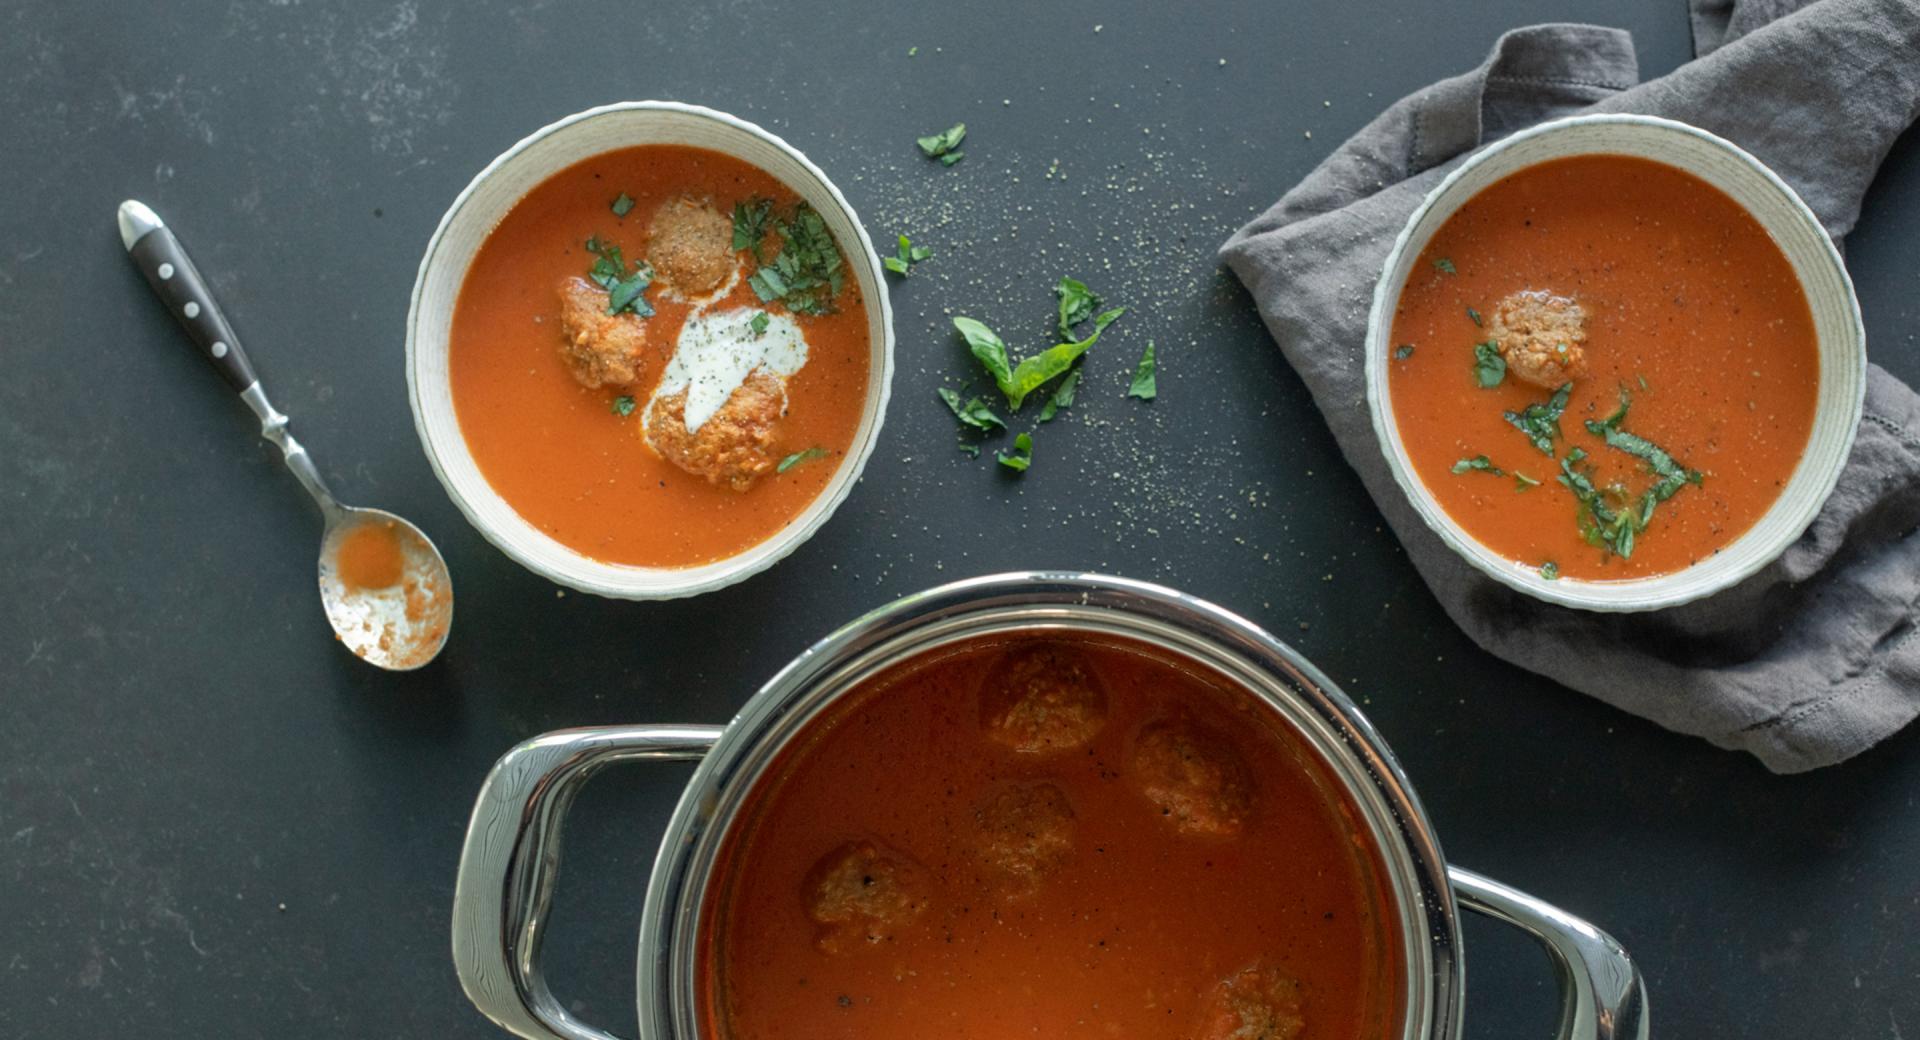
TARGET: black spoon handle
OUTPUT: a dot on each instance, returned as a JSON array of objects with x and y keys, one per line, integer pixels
[{"x": 164, "y": 262}]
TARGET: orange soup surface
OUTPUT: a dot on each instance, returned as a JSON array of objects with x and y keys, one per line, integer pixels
[
  {"x": 1683, "y": 308},
  {"x": 559, "y": 425},
  {"x": 1048, "y": 838}
]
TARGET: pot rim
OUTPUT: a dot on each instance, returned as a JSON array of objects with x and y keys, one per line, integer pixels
[{"x": 668, "y": 1003}]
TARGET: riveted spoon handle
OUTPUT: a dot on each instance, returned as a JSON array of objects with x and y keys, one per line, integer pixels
[{"x": 165, "y": 264}]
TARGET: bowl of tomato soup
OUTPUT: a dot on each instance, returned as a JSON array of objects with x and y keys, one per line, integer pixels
[
  {"x": 1022, "y": 805},
  {"x": 649, "y": 350},
  {"x": 1615, "y": 362}
]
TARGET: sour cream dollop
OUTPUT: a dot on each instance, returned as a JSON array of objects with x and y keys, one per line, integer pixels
[{"x": 716, "y": 352}]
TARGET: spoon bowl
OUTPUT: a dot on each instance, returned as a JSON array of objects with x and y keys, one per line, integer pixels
[{"x": 398, "y": 616}]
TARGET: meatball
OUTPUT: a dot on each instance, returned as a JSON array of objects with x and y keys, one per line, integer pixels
[
  {"x": 1194, "y": 777},
  {"x": 1026, "y": 833},
  {"x": 1258, "y": 1002},
  {"x": 602, "y": 349},
  {"x": 1542, "y": 337},
  {"x": 1042, "y": 698},
  {"x": 735, "y": 446},
  {"x": 691, "y": 246},
  {"x": 860, "y": 894}
]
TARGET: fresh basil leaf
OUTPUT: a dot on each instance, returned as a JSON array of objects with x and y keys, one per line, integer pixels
[
  {"x": 799, "y": 457},
  {"x": 1144, "y": 384},
  {"x": 609, "y": 271},
  {"x": 1022, "y": 455},
  {"x": 1522, "y": 482},
  {"x": 1062, "y": 396},
  {"x": 1403, "y": 351},
  {"x": 918, "y": 253},
  {"x": 1077, "y": 304},
  {"x": 622, "y": 205},
  {"x": 895, "y": 264},
  {"x": 1479, "y": 463},
  {"x": 952, "y": 157},
  {"x": 905, "y": 256},
  {"x": 758, "y": 323},
  {"x": 937, "y": 145},
  {"x": 767, "y": 284},
  {"x": 989, "y": 351},
  {"x": 1489, "y": 368},
  {"x": 973, "y": 412},
  {"x": 1444, "y": 266},
  {"x": 1032, "y": 372},
  {"x": 622, "y": 406}
]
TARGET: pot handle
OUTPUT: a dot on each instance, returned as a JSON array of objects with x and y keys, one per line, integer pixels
[
  {"x": 1602, "y": 996},
  {"x": 512, "y": 855}
]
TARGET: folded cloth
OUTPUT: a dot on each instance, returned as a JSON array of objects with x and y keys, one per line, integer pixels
[{"x": 1815, "y": 658}]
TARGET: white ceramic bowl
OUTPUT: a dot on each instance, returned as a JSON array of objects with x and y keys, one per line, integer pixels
[
  {"x": 1836, "y": 321},
  {"x": 480, "y": 208}
]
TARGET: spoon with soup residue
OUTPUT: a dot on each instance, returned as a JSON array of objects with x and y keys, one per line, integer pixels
[{"x": 383, "y": 584}]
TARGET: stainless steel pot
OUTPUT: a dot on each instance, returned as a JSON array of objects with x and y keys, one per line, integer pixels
[{"x": 512, "y": 847}]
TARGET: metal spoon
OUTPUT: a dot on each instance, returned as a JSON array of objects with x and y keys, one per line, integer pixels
[{"x": 400, "y": 626}]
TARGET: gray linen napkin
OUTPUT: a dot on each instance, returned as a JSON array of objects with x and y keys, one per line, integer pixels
[{"x": 1815, "y": 658}]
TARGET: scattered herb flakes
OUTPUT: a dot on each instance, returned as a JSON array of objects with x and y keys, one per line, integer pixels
[
  {"x": 1077, "y": 304},
  {"x": 1403, "y": 352},
  {"x": 1550, "y": 571},
  {"x": 622, "y": 406},
  {"x": 952, "y": 157},
  {"x": 1022, "y": 455},
  {"x": 1480, "y": 464},
  {"x": 1489, "y": 368},
  {"x": 758, "y": 323},
  {"x": 808, "y": 272},
  {"x": 1475, "y": 315},
  {"x": 1522, "y": 482},
  {"x": 974, "y": 412},
  {"x": 750, "y": 220},
  {"x": 1144, "y": 383},
  {"x": 911, "y": 51},
  {"x": 1062, "y": 396},
  {"x": 799, "y": 457},
  {"x": 1444, "y": 266},
  {"x": 970, "y": 450},
  {"x": 933, "y": 146},
  {"x": 624, "y": 288},
  {"x": 622, "y": 205},
  {"x": 1541, "y": 422},
  {"x": 905, "y": 256}
]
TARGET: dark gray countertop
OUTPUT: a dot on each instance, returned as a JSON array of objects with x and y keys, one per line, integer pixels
[{"x": 213, "y": 822}]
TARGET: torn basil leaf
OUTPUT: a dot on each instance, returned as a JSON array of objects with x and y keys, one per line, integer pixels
[
  {"x": 987, "y": 349},
  {"x": 1032, "y": 372},
  {"x": 973, "y": 412},
  {"x": 1022, "y": 455},
  {"x": 936, "y": 145},
  {"x": 750, "y": 222},
  {"x": 1541, "y": 422},
  {"x": 1062, "y": 396},
  {"x": 1144, "y": 383},
  {"x": 622, "y": 205},
  {"x": 622, "y": 406},
  {"x": 1403, "y": 352},
  {"x": 1444, "y": 266},
  {"x": 1077, "y": 304},
  {"x": 1479, "y": 464},
  {"x": 799, "y": 457},
  {"x": 1489, "y": 368},
  {"x": 758, "y": 323},
  {"x": 1475, "y": 315},
  {"x": 624, "y": 288}
]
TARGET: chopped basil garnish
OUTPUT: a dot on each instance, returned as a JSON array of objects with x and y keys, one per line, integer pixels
[
  {"x": 622, "y": 406},
  {"x": 622, "y": 205},
  {"x": 1475, "y": 315},
  {"x": 1143, "y": 377},
  {"x": 799, "y": 457},
  {"x": 936, "y": 145},
  {"x": 758, "y": 323},
  {"x": 808, "y": 272},
  {"x": 971, "y": 451},
  {"x": 1550, "y": 571},
  {"x": 1522, "y": 482},
  {"x": 1541, "y": 422},
  {"x": 1489, "y": 368},
  {"x": 1607, "y": 516},
  {"x": 609, "y": 271},
  {"x": 905, "y": 256},
  {"x": 1444, "y": 266},
  {"x": 1479, "y": 463},
  {"x": 1403, "y": 351},
  {"x": 750, "y": 223},
  {"x": 974, "y": 412},
  {"x": 952, "y": 157},
  {"x": 1022, "y": 455},
  {"x": 1673, "y": 476},
  {"x": 1062, "y": 395}
]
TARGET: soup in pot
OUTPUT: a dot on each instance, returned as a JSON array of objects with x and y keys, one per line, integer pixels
[{"x": 1060, "y": 837}]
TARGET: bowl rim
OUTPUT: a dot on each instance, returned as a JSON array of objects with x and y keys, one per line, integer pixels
[
  {"x": 614, "y": 580},
  {"x": 1574, "y": 592}
]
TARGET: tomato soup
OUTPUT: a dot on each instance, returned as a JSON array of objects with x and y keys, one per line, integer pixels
[
  {"x": 1058, "y": 838},
  {"x": 1603, "y": 367},
  {"x": 659, "y": 357}
]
